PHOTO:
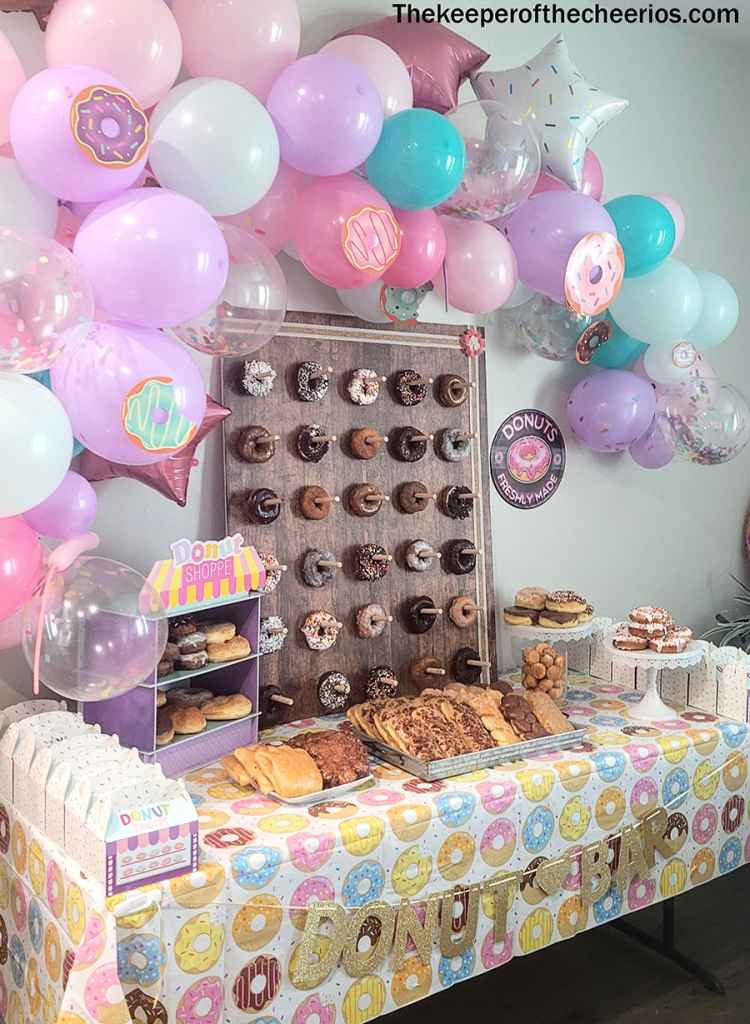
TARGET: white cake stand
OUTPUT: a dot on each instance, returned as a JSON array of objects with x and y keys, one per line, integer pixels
[
  {"x": 652, "y": 708},
  {"x": 541, "y": 634}
]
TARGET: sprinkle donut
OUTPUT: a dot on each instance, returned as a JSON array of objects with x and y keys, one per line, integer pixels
[
  {"x": 364, "y": 1000},
  {"x": 413, "y": 981},
  {"x": 575, "y": 818},
  {"x": 309, "y": 851},
  {"x": 733, "y": 813},
  {"x": 643, "y": 798},
  {"x": 609, "y": 808},
  {"x": 363, "y": 387},
  {"x": 109, "y": 126},
  {"x": 572, "y": 917},
  {"x": 33, "y": 989},
  {"x": 257, "y": 922},
  {"x": 494, "y": 953},
  {"x": 205, "y": 989},
  {"x": 145, "y": 1009},
  {"x": 498, "y": 842},
  {"x": 4, "y": 830},
  {"x": 537, "y": 829},
  {"x": 705, "y": 823},
  {"x": 409, "y": 821},
  {"x": 362, "y": 835},
  {"x": 455, "y": 809},
  {"x": 226, "y": 838},
  {"x": 36, "y": 867},
  {"x": 255, "y": 866},
  {"x": 536, "y": 931},
  {"x": 675, "y": 788},
  {"x": 453, "y": 969},
  {"x": 36, "y": 925},
  {"x": 312, "y": 1007},
  {"x": 18, "y": 847},
  {"x": 677, "y": 831},
  {"x": 96, "y": 994},
  {"x": 497, "y": 795},
  {"x": 52, "y": 952},
  {"x": 251, "y": 997},
  {"x": 643, "y": 756},
  {"x": 17, "y": 958},
  {"x": 734, "y": 772},
  {"x": 200, "y": 887},
  {"x": 141, "y": 959},
  {"x": 641, "y": 892},
  {"x": 411, "y": 872},
  {"x": 321, "y": 630},
  {"x": 702, "y": 866},
  {"x": 197, "y": 946},
  {"x": 333, "y": 809},
  {"x": 410, "y": 387},
  {"x": 608, "y": 906},
  {"x": 363, "y": 884},
  {"x": 594, "y": 273},
  {"x": 730, "y": 855},
  {"x": 673, "y": 878},
  {"x": 456, "y": 855},
  {"x": 55, "y": 889},
  {"x": 705, "y": 780},
  {"x": 313, "y": 890},
  {"x": 257, "y": 378},
  {"x": 312, "y": 382},
  {"x": 18, "y": 904}
]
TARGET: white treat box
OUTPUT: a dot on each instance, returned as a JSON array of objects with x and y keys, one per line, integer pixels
[
  {"x": 20, "y": 742},
  {"x": 27, "y": 709}
]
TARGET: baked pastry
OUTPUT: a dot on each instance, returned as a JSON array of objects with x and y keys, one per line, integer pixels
[
  {"x": 452, "y": 390},
  {"x": 370, "y": 621},
  {"x": 274, "y": 571},
  {"x": 255, "y": 444},
  {"x": 463, "y": 669},
  {"x": 453, "y": 444},
  {"x": 273, "y": 634},
  {"x": 459, "y": 557},
  {"x": 425, "y": 670},
  {"x": 366, "y": 442},
  {"x": 365, "y": 500},
  {"x": 565, "y": 601},
  {"x": 363, "y": 386},
  {"x": 164, "y": 668},
  {"x": 543, "y": 668},
  {"x": 420, "y": 614},
  {"x": 318, "y": 568},
  {"x": 586, "y": 615},
  {"x": 258, "y": 378},
  {"x": 340, "y": 756},
  {"x": 161, "y": 698},
  {"x": 321, "y": 630},
  {"x": 281, "y": 769},
  {"x": 191, "y": 643},
  {"x": 229, "y": 650},
  {"x": 312, "y": 382},
  {"x": 516, "y": 616},
  {"x": 456, "y": 502},
  {"x": 558, "y": 620},
  {"x": 188, "y": 697},
  {"x": 263, "y": 506},
  {"x": 235, "y": 771},
  {"x": 648, "y": 613},
  {"x": 520, "y": 716},
  {"x": 171, "y": 651},
  {"x": 371, "y": 562},
  {"x": 334, "y": 690},
  {"x": 228, "y": 708},
  {"x": 463, "y": 612},
  {"x": 648, "y": 630},
  {"x": 313, "y": 442},
  {"x": 164, "y": 727},
  {"x": 188, "y": 662},
  {"x": 315, "y": 502},
  {"x": 532, "y": 597},
  {"x": 670, "y": 643},
  {"x": 624, "y": 640},
  {"x": 409, "y": 444},
  {"x": 187, "y": 720},
  {"x": 381, "y": 684},
  {"x": 548, "y": 713},
  {"x": 181, "y": 627},
  {"x": 413, "y": 496},
  {"x": 409, "y": 387},
  {"x": 218, "y": 632},
  {"x": 420, "y": 556}
]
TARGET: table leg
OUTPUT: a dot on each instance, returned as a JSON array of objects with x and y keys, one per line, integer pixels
[
  {"x": 652, "y": 708},
  {"x": 665, "y": 945}
]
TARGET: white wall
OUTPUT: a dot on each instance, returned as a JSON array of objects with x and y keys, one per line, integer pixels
[{"x": 620, "y": 534}]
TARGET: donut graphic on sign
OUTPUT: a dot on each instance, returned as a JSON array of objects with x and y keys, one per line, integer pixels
[{"x": 527, "y": 458}]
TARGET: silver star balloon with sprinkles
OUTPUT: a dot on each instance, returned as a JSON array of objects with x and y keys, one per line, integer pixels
[{"x": 564, "y": 110}]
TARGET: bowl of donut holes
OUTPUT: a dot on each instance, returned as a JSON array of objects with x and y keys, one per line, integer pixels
[{"x": 544, "y": 668}]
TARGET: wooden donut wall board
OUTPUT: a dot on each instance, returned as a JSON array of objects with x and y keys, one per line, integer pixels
[{"x": 345, "y": 344}]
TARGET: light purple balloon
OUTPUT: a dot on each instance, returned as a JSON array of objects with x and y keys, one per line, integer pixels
[
  {"x": 49, "y": 153},
  {"x": 328, "y": 114},
  {"x": 609, "y": 410},
  {"x": 544, "y": 231},
  {"x": 153, "y": 257},
  {"x": 68, "y": 512},
  {"x": 133, "y": 395},
  {"x": 652, "y": 451}
]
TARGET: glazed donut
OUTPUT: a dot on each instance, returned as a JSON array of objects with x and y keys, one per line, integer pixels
[
  {"x": 453, "y": 444},
  {"x": 315, "y": 502},
  {"x": 205, "y": 989},
  {"x": 590, "y": 339},
  {"x": 258, "y": 508},
  {"x": 227, "y": 838},
  {"x": 141, "y": 959},
  {"x": 462, "y": 612},
  {"x": 309, "y": 445},
  {"x": 248, "y": 997},
  {"x": 18, "y": 849},
  {"x": 594, "y": 273},
  {"x": 101, "y": 982},
  {"x": 194, "y": 960},
  {"x": 413, "y": 613},
  {"x": 371, "y": 621},
  {"x": 313, "y": 1007},
  {"x": 410, "y": 387},
  {"x": 452, "y": 390},
  {"x": 255, "y": 444},
  {"x": 407, "y": 444},
  {"x": 312, "y": 382},
  {"x": 363, "y": 386},
  {"x": 381, "y": 683},
  {"x": 455, "y": 856},
  {"x": 309, "y": 851},
  {"x": 263, "y": 907},
  {"x": 456, "y": 502},
  {"x": 33, "y": 990},
  {"x": 4, "y": 830},
  {"x": 462, "y": 671},
  {"x": 36, "y": 867},
  {"x": 371, "y": 562},
  {"x": 100, "y": 104},
  {"x": 364, "y": 1000},
  {"x": 420, "y": 556},
  {"x": 314, "y": 574},
  {"x": 321, "y": 630},
  {"x": 272, "y": 635},
  {"x": 145, "y": 1009},
  {"x": 52, "y": 952},
  {"x": 457, "y": 559},
  {"x": 334, "y": 690},
  {"x": 364, "y": 500},
  {"x": 257, "y": 378},
  {"x": 366, "y": 442},
  {"x": 36, "y": 927},
  {"x": 411, "y": 497},
  {"x": 311, "y": 890}
]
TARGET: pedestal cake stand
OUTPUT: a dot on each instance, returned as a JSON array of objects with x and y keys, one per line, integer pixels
[
  {"x": 652, "y": 708},
  {"x": 540, "y": 634}
]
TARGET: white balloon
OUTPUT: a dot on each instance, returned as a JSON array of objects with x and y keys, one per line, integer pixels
[
  {"x": 672, "y": 366},
  {"x": 364, "y": 302},
  {"x": 23, "y": 205},
  {"x": 215, "y": 142},
  {"x": 36, "y": 441}
]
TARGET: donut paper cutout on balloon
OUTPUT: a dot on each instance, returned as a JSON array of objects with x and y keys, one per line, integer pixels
[
  {"x": 620, "y": 352},
  {"x": 591, "y": 340},
  {"x": 437, "y": 59},
  {"x": 594, "y": 273},
  {"x": 422, "y": 250},
  {"x": 170, "y": 477}
]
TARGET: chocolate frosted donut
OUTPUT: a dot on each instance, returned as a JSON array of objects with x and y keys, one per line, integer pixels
[
  {"x": 457, "y": 560},
  {"x": 456, "y": 502},
  {"x": 314, "y": 574},
  {"x": 258, "y": 511},
  {"x": 414, "y": 618},
  {"x": 255, "y": 444},
  {"x": 411, "y": 497},
  {"x": 452, "y": 390},
  {"x": 370, "y": 562},
  {"x": 366, "y": 442},
  {"x": 312, "y": 382},
  {"x": 364, "y": 500},
  {"x": 363, "y": 386},
  {"x": 420, "y": 556},
  {"x": 462, "y": 612},
  {"x": 257, "y": 378},
  {"x": 410, "y": 387},
  {"x": 334, "y": 690},
  {"x": 462, "y": 671},
  {"x": 309, "y": 445},
  {"x": 418, "y": 669},
  {"x": 314, "y": 502},
  {"x": 371, "y": 621},
  {"x": 453, "y": 445},
  {"x": 381, "y": 683},
  {"x": 406, "y": 445}
]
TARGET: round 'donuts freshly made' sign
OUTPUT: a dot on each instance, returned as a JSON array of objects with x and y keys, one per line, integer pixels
[{"x": 527, "y": 459}]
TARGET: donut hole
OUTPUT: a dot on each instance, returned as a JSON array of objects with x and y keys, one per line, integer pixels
[
  {"x": 595, "y": 275},
  {"x": 203, "y": 1008},
  {"x": 109, "y": 127},
  {"x": 200, "y": 944},
  {"x": 258, "y": 984}
]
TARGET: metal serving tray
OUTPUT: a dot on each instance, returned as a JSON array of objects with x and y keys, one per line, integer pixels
[{"x": 447, "y": 767}]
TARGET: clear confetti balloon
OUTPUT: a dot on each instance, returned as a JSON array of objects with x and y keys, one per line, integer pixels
[
  {"x": 704, "y": 421},
  {"x": 502, "y": 161},
  {"x": 550, "y": 330}
]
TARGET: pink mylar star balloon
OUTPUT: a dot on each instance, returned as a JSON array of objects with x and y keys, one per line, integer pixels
[
  {"x": 170, "y": 477},
  {"x": 437, "y": 59}
]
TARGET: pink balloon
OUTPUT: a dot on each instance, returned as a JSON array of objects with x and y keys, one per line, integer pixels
[
  {"x": 480, "y": 266},
  {"x": 138, "y": 41},
  {"x": 345, "y": 232},
  {"x": 68, "y": 512},
  {"x": 70, "y": 152},
  {"x": 272, "y": 219},
  {"x": 422, "y": 249},
  {"x": 593, "y": 179},
  {"x": 246, "y": 43},
  {"x": 12, "y": 78},
  {"x": 21, "y": 557},
  {"x": 677, "y": 215},
  {"x": 383, "y": 66}
]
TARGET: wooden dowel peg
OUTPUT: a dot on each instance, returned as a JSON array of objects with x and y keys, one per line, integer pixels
[
  {"x": 425, "y": 495},
  {"x": 375, "y": 496},
  {"x": 383, "y": 380},
  {"x": 279, "y": 698},
  {"x": 324, "y": 438},
  {"x": 272, "y": 502},
  {"x": 463, "y": 436},
  {"x": 321, "y": 375},
  {"x": 468, "y": 497},
  {"x": 382, "y": 618},
  {"x": 422, "y": 437},
  {"x": 471, "y": 551},
  {"x": 431, "y": 611},
  {"x": 264, "y": 375},
  {"x": 329, "y": 563},
  {"x": 430, "y": 553},
  {"x": 475, "y": 663},
  {"x": 382, "y": 558},
  {"x": 263, "y": 442},
  {"x": 435, "y": 671},
  {"x": 276, "y": 630}
]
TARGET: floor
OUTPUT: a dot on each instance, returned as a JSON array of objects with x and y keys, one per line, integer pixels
[{"x": 604, "y": 976}]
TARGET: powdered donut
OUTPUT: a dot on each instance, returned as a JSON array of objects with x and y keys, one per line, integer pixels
[
  {"x": 334, "y": 690},
  {"x": 453, "y": 445},
  {"x": 420, "y": 556},
  {"x": 109, "y": 126},
  {"x": 312, "y": 382},
  {"x": 258, "y": 378},
  {"x": 314, "y": 574},
  {"x": 594, "y": 273},
  {"x": 364, "y": 386},
  {"x": 321, "y": 630}
]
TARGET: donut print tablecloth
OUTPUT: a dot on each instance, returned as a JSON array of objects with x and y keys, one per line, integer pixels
[{"x": 218, "y": 947}]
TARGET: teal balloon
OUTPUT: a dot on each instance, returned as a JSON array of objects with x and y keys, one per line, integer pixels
[
  {"x": 620, "y": 351},
  {"x": 721, "y": 310},
  {"x": 660, "y": 307},
  {"x": 645, "y": 230},
  {"x": 418, "y": 161}
]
